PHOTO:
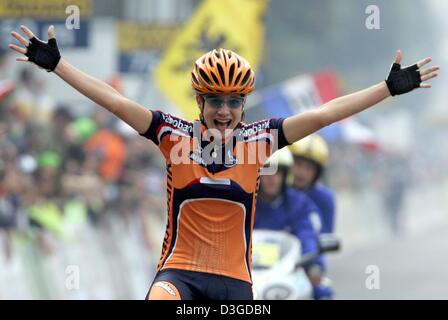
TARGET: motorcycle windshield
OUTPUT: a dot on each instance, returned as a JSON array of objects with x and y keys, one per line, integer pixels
[{"x": 270, "y": 248}]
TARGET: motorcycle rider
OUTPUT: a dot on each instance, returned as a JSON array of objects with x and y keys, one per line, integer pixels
[
  {"x": 310, "y": 157},
  {"x": 281, "y": 207}
]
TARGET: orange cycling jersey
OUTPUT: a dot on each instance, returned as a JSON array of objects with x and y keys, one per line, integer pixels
[{"x": 211, "y": 192}]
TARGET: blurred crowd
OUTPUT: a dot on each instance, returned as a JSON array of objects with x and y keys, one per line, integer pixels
[
  {"x": 65, "y": 174},
  {"x": 62, "y": 171}
]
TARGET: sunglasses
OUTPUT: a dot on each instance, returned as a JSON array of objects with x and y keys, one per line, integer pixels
[{"x": 217, "y": 102}]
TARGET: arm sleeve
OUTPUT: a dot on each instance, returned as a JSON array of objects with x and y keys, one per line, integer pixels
[
  {"x": 328, "y": 213},
  {"x": 151, "y": 133},
  {"x": 302, "y": 226},
  {"x": 264, "y": 137},
  {"x": 277, "y": 124},
  {"x": 303, "y": 229},
  {"x": 166, "y": 130}
]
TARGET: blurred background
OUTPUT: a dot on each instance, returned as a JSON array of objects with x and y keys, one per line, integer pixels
[{"x": 82, "y": 200}]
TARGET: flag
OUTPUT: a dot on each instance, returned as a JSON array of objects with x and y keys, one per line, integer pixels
[
  {"x": 308, "y": 91},
  {"x": 6, "y": 87},
  {"x": 232, "y": 24}
]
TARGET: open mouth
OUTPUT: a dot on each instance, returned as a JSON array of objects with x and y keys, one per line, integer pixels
[{"x": 222, "y": 124}]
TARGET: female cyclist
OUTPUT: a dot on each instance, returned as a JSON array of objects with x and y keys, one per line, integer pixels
[{"x": 212, "y": 182}]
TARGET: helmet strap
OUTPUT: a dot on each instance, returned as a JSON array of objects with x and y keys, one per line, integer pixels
[{"x": 201, "y": 110}]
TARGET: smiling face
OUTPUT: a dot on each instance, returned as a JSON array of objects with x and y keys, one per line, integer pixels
[{"x": 221, "y": 111}]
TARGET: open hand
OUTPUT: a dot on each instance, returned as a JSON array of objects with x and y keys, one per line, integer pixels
[
  {"x": 407, "y": 79},
  {"x": 44, "y": 54}
]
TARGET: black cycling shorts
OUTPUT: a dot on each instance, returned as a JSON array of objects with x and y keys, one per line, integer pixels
[{"x": 192, "y": 285}]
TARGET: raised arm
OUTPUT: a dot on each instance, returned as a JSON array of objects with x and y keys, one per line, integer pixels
[
  {"x": 399, "y": 81},
  {"x": 46, "y": 55}
]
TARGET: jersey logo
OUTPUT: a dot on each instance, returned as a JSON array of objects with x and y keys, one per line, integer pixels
[{"x": 254, "y": 128}]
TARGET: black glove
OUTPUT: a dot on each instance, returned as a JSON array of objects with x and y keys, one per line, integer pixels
[
  {"x": 404, "y": 80},
  {"x": 45, "y": 54}
]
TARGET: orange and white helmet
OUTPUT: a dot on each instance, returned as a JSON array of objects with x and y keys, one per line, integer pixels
[{"x": 222, "y": 71}]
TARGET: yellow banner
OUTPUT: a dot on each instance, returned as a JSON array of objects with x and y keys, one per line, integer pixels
[
  {"x": 43, "y": 9},
  {"x": 137, "y": 36},
  {"x": 232, "y": 24}
]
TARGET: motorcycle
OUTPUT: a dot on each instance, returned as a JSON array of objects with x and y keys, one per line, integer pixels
[{"x": 277, "y": 265}]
